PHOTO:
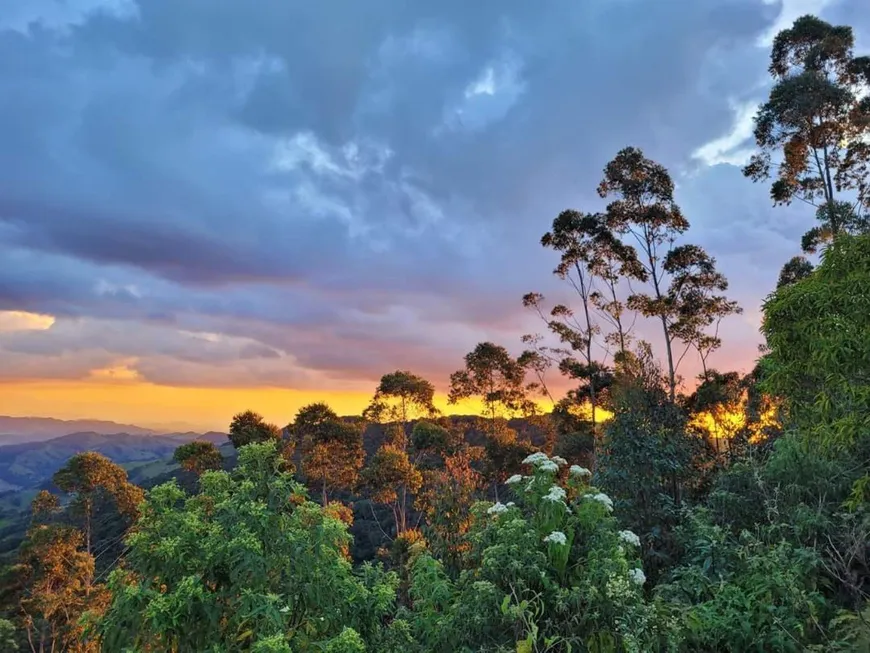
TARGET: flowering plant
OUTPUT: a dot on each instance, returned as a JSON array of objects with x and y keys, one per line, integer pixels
[{"x": 550, "y": 571}]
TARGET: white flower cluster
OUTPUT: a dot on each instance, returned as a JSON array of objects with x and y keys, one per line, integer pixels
[
  {"x": 637, "y": 576},
  {"x": 510, "y": 504},
  {"x": 496, "y": 508},
  {"x": 548, "y": 466},
  {"x": 561, "y": 462},
  {"x": 557, "y": 537},
  {"x": 536, "y": 458},
  {"x": 602, "y": 498},
  {"x": 555, "y": 494},
  {"x": 516, "y": 478},
  {"x": 629, "y": 538},
  {"x": 576, "y": 470}
]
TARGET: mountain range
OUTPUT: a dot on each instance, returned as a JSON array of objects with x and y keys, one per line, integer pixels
[
  {"x": 25, "y": 465},
  {"x": 33, "y": 429}
]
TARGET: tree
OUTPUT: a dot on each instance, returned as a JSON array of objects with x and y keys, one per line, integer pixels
[
  {"x": 332, "y": 450},
  {"x": 645, "y": 208},
  {"x": 437, "y": 439},
  {"x": 446, "y": 500},
  {"x": 249, "y": 427},
  {"x": 693, "y": 292},
  {"x": 390, "y": 477},
  {"x": 812, "y": 131},
  {"x": 796, "y": 269},
  {"x": 718, "y": 406},
  {"x": 248, "y": 563},
  {"x": 590, "y": 253},
  {"x": 818, "y": 350},
  {"x": 400, "y": 397},
  {"x": 493, "y": 375},
  {"x": 58, "y": 579},
  {"x": 683, "y": 281},
  {"x": 572, "y": 236},
  {"x": 648, "y": 459},
  {"x": 7, "y": 636},
  {"x": 198, "y": 456},
  {"x": 91, "y": 477},
  {"x": 504, "y": 455}
]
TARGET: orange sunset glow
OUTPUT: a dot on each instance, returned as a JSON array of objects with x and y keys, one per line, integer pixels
[{"x": 164, "y": 407}]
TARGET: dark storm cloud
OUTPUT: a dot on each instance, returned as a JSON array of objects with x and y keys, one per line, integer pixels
[{"x": 347, "y": 187}]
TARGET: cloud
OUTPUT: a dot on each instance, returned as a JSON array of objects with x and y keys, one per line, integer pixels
[
  {"x": 24, "y": 321},
  {"x": 736, "y": 146},
  {"x": 332, "y": 192}
]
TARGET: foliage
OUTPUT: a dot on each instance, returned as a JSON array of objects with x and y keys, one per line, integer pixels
[
  {"x": 650, "y": 464},
  {"x": 8, "y": 641},
  {"x": 249, "y": 427},
  {"x": 740, "y": 594},
  {"x": 446, "y": 500},
  {"x": 816, "y": 120},
  {"x": 249, "y": 563},
  {"x": 400, "y": 397},
  {"x": 493, "y": 375},
  {"x": 819, "y": 353},
  {"x": 198, "y": 456},
  {"x": 795, "y": 269},
  {"x": 332, "y": 449},
  {"x": 550, "y": 573},
  {"x": 58, "y": 587},
  {"x": 683, "y": 282},
  {"x": 391, "y": 477},
  {"x": 90, "y": 477}
]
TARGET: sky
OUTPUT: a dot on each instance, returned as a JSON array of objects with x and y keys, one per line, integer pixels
[{"x": 214, "y": 205}]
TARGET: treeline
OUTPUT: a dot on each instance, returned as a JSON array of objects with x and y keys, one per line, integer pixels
[{"x": 632, "y": 516}]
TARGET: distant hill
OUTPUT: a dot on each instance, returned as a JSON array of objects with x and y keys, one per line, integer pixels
[
  {"x": 34, "y": 429},
  {"x": 28, "y": 464}
]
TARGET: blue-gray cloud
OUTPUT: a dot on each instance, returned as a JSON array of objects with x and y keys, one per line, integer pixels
[{"x": 343, "y": 188}]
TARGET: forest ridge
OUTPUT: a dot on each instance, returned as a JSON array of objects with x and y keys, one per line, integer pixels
[{"x": 632, "y": 516}]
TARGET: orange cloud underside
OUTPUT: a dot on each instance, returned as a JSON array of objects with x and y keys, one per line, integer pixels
[{"x": 114, "y": 397}]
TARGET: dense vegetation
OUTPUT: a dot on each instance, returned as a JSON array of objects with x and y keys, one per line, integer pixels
[{"x": 631, "y": 516}]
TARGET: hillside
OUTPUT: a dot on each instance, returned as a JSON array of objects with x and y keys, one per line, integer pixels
[
  {"x": 32, "y": 429},
  {"x": 26, "y": 465}
]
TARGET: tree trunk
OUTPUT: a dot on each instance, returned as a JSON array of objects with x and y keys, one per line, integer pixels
[
  {"x": 584, "y": 295},
  {"x": 618, "y": 318},
  {"x": 672, "y": 377},
  {"x": 88, "y": 525}
]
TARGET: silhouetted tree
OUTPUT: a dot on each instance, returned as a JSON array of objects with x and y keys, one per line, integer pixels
[
  {"x": 796, "y": 269},
  {"x": 645, "y": 208},
  {"x": 694, "y": 292},
  {"x": 492, "y": 374},
  {"x": 812, "y": 131},
  {"x": 400, "y": 397},
  {"x": 91, "y": 476},
  {"x": 248, "y": 427},
  {"x": 198, "y": 456},
  {"x": 390, "y": 477},
  {"x": 332, "y": 449}
]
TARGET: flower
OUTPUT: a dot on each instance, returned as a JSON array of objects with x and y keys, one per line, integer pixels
[
  {"x": 516, "y": 478},
  {"x": 496, "y": 508},
  {"x": 576, "y": 470},
  {"x": 602, "y": 498},
  {"x": 629, "y": 538},
  {"x": 548, "y": 466},
  {"x": 556, "y": 537},
  {"x": 559, "y": 461},
  {"x": 555, "y": 494},
  {"x": 510, "y": 504},
  {"x": 637, "y": 576},
  {"x": 536, "y": 458}
]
